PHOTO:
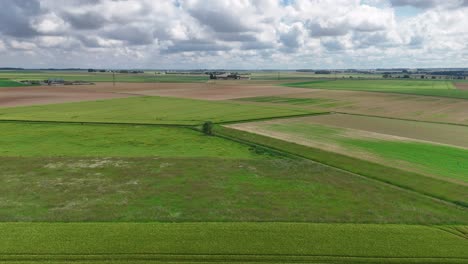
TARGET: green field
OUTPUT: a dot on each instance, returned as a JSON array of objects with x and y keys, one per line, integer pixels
[
  {"x": 48, "y": 140},
  {"x": 431, "y": 159},
  {"x": 149, "y": 110},
  {"x": 230, "y": 243},
  {"x": 9, "y": 83},
  {"x": 148, "y": 77},
  {"x": 417, "y": 87},
  {"x": 438, "y": 188},
  {"x": 204, "y": 189},
  {"x": 306, "y": 76},
  {"x": 72, "y": 172}
]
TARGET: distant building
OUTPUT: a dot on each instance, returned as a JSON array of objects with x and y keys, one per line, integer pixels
[
  {"x": 228, "y": 76},
  {"x": 54, "y": 81}
]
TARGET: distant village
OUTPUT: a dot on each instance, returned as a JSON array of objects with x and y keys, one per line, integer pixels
[{"x": 55, "y": 81}]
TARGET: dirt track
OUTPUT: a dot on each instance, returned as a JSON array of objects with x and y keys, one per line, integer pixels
[{"x": 22, "y": 96}]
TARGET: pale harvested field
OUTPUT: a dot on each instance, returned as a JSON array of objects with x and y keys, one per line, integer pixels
[
  {"x": 435, "y": 133},
  {"x": 33, "y": 95},
  {"x": 462, "y": 86},
  {"x": 414, "y": 107}
]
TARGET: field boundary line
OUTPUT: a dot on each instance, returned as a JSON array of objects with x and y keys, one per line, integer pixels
[
  {"x": 92, "y": 123},
  {"x": 450, "y": 230},
  {"x": 272, "y": 118},
  {"x": 387, "y": 183},
  {"x": 197, "y": 123},
  {"x": 222, "y": 258}
]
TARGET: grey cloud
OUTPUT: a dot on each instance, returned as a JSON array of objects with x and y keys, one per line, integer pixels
[
  {"x": 416, "y": 41},
  {"x": 132, "y": 35},
  {"x": 365, "y": 40},
  {"x": 317, "y": 30},
  {"x": 256, "y": 45},
  {"x": 241, "y": 37},
  {"x": 219, "y": 21},
  {"x": 16, "y": 17},
  {"x": 333, "y": 45},
  {"x": 195, "y": 45},
  {"x": 291, "y": 39},
  {"x": 88, "y": 20},
  {"x": 89, "y": 41}
]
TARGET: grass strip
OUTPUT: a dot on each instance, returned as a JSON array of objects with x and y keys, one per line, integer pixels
[{"x": 148, "y": 110}]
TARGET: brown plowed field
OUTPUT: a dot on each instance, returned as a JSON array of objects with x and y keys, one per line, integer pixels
[
  {"x": 462, "y": 86},
  {"x": 21, "y": 96},
  {"x": 425, "y": 108},
  {"x": 429, "y": 132}
]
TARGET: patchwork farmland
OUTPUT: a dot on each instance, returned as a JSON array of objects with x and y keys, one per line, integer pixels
[{"x": 186, "y": 170}]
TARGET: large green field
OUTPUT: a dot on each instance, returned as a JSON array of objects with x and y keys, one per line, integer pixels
[
  {"x": 230, "y": 243},
  {"x": 149, "y": 110},
  {"x": 417, "y": 87},
  {"x": 52, "y": 140},
  {"x": 72, "y": 172},
  {"x": 195, "y": 189}
]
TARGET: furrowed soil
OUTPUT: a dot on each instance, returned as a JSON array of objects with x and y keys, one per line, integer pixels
[
  {"x": 33, "y": 95},
  {"x": 462, "y": 86},
  {"x": 435, "y": 133},
  {"x": 38, "y": 95},
  {"x": 424, "y": 108}
]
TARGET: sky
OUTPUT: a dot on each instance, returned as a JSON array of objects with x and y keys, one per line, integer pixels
[{"x": 233, "y": 34}]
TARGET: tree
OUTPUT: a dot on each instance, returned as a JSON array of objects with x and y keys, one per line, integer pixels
[{"x": 208, "y": 128}]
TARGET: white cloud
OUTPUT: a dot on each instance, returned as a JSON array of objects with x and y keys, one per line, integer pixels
[{"x": 235, "y": 33}]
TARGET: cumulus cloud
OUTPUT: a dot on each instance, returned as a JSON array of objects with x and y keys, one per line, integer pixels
[
  {"x": 16, "y": 17},
  {"x": 86, "y": 20},
  {"x": 233, "y": 33}
]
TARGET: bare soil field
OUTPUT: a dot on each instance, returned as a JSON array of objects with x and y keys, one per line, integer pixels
[
  {"x": 24, "y": 96},
  {"x": 462, "y": 86},
  {"x": 434, "y": 133},
  {"x": 10, "y": 97},
  {"x": 212, "y": 90},
  {"x": 426, "y": 108}
]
